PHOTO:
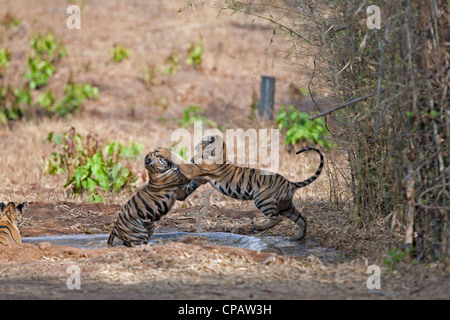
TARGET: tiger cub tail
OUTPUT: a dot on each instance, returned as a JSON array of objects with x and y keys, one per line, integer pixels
[{"x": 306, "y": 182}]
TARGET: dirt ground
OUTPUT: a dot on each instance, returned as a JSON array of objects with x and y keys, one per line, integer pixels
[
  {"x": 188, "y": 270},
  {"x": 237, "y": 52}
]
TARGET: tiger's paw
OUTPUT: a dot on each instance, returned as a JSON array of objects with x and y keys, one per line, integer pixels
[
  {"x": 300, "y": 236},
  {"x": 269, "y": 224},
  {"x": 163, "y": 152}
]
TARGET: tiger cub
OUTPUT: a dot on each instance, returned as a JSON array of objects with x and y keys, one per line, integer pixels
[
  {"x": 134, "y": 226},
  {"x": 271, "y": 192},
  {"x": 10, "y": 216}
]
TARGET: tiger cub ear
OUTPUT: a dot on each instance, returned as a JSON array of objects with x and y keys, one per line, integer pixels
[
  {"x": 22, "y": 206},
  {"x": 2, "y": 206}
]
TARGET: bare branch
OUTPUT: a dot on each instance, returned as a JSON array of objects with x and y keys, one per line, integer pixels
[{"x": 342, "y": 106}]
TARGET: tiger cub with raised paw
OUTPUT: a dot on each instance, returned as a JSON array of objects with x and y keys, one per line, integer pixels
[
  {"x": 271, "y": 192},
  {"x": 134, "y": 226},
  {"x": 10, "y": 216}
]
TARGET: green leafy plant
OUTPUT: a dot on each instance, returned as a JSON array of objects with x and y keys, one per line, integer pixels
[
  {"x": 195, "y": 113},
  {"x": 47, "y": 48},
  {"x": 118, "y": 150},
  {"x": 394, "y": 257},
  {"x": 90, "y": 168},
  {"x": 195, "y": 53},
  {"x": 5, "y": 59},
  {"x": 22, "y": 99},
  {"x": 39, "y": 71},
  {"x": 171, "y": 63},
  {"x": 45, "y": 52},
  {"x": 75, "y": 95},
  {"x": 13, "y": 103},
  {"x": 69, "y": 156},
  {"x": 90, "y": 175},
  {"x": 299, "y": 128},
  {"x": 46, "y": 99},
  {"x": 10, "y": 21},
  {"x": 119, "y": 52}
]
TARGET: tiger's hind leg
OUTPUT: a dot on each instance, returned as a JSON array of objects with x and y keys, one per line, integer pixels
[
  {"x": 271, "y": 213},
  {"x": 288, "y": 210},
  {"x": 130, "y": 238}
]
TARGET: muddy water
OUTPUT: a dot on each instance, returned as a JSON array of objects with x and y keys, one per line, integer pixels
[{"x": 273, "y": 244}]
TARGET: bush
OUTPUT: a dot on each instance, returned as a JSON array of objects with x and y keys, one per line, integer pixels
[
  {"x": 45, "y": 52},
  {"x": 47, "y": 48},
  {"x": 75, "y": 95},
  {"x": 172, "y": 63},
  {"x": 16, "y": 101},
  {"x": 195, "y": 113},
  {"x": 5, "y": 59},
  {"x": 13, "y": 103},
  {"x": 394, "y": 126},
  {"x": 300, "y": 129},
  {"x": 90, "y": 168},
  {"x": 119, "y": 52},
  {"x": 39, "y": 72},
  {"x": 195, "y": 53}
]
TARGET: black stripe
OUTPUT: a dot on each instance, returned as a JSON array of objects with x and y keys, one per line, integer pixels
[
  {"x": 147, "y": 207},
  {"x": 306, "y": 182},
  {"x": 138, "y": 210}
]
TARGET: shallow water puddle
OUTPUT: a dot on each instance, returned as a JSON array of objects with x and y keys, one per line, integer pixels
[{"x": 275, "y": 244}]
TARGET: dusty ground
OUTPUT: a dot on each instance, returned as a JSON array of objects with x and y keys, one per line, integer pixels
[
  {"x": 236, "y": 54},
  {"x": 189, "y": 270}
]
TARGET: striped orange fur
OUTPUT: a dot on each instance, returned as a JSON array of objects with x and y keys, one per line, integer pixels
[
  {"x": 10, "y": 216},
  {"x": 272, "y": 193},
  {"x": 134, "y": 225}
]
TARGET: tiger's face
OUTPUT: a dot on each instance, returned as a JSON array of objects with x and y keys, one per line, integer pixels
[
  {"x": 211, "y": 148},
  {"x": 12, "y": 211},
  {"x": 156, "y": 164},
  {"x": 161, "y": 169}
]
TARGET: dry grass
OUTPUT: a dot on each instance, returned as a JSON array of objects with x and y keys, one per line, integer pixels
[
  {"x": 235, "y": 56},
  {"x": 187, "y": 271}
]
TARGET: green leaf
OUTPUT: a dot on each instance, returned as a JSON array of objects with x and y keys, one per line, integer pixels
[
  {"x": 434, "y": 113},
  {"x": 132, "y": 151},
  {"x": 58, "y": 139},
  {"x": 299, "y": 128},
  {"x": 98, "y": 167},
  {"x": 112, "y": 148},
  {"x": 49, "y": 137},
  {"x": 81, "y": 173},
  {"x": 119, "y": 176},
  {"x": 91, "y": 184}
]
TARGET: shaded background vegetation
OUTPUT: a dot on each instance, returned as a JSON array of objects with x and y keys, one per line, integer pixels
[{"x": 396, "y": 137}]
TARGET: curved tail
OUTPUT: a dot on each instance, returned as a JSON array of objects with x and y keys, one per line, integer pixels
[{"x": 304, "y": 183}]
